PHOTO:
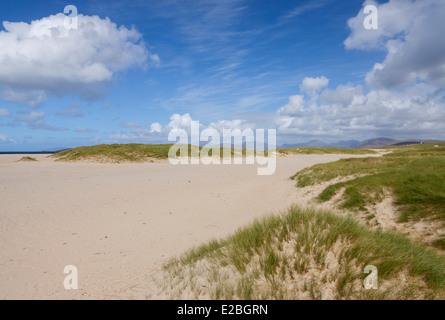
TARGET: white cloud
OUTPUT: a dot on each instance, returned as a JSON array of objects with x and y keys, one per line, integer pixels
[
  {"x": 346, "y": 112},
  {"x": 155, "y": 128},
  {"x": 35, "y": 120},
  {"x": 43, "y": 56},
  {"x": 31, "y": 97},
  {"x": 411, "y": 32},
  {"x": 343, "y": 95},
  {"x": 294, "y": 107},
  {"x": 231, "y": 124},
  {"x": 312, "y": 86},
  {"x": 6, "y": 139},
  {"x": 178, "y": 121}
]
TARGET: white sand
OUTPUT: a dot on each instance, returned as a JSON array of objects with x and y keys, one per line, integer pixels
[{"x": 117, "y": 223}]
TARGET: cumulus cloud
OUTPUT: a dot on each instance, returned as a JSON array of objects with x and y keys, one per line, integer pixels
[
  {"x": 343, "y": 95},
  {"x": 312, "y": 86},
  {"x": 411, "y": 32},
  {"x": 294, "y": 106},
  {"x": 45, "y": 57},
  {"x": 178, "y": 121},
  {"x": 416, "y": 111},
  {"x": 156, "y": 127}
]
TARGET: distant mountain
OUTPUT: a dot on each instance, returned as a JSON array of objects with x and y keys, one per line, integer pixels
[
  {"x": 349, "y": 144},
  {"x": 376, "y": 142},
  {"x": 310, "y": 144},
  {"x": 382, "y": 142},
  {"x": 56, "y": 149},
  {"x": 48, "y": 151},
  {"x": 404, "y": 143}
]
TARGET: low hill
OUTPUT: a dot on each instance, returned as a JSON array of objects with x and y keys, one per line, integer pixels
[
  {"x": 376, "y": 142},
  {"x": 383, "y": 142},
  {"x": 115, "y": 153},
  {"x": 305, "y": 150},
  {"x": 370, "y": 143},
  {"x": 321, "y": 144},
  {"x": 27, "y": 159},
  {"x": 133, "y": 152}
]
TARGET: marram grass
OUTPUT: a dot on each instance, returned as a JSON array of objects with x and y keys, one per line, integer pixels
[{"x": 307, "y": 254}]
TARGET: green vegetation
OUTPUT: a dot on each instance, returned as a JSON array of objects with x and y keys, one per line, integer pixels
[
  {"x": 307, "y": 254},
  {"x": 115, "y": 153},
  {"x": 305, "y": 150},
  {"x": 316, "y": 254},
  {"x": 28, "y": 159},
  {"x": 415, "y": 175},
  {"x": 134, "y": 152}
]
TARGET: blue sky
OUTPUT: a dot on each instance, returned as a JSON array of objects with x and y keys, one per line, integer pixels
[{"x": 131, "y": 66}]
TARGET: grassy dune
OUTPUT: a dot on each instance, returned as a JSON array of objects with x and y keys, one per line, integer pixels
[
  {"x": 115, "y": 153},
  {"x": 307, "y": 254},
  {"x": 27, "y": 159},
  {"x": 415, "y": 175},
  {"x": 143, "y": 152},
  {"x": 305, "y": 150},
  {"x": 135, "y": 152}
]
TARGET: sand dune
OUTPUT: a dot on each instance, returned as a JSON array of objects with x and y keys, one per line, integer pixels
[{"x": 117, "y": 223}]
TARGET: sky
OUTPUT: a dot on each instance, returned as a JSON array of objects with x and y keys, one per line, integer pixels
[{"x": 132, "y": 71}]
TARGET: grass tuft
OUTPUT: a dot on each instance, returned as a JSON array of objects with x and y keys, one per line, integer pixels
[
  {"x": 309, "y": 254},
  {"x": 415, "y": 175},
  {"x": 27, "y": 159}
]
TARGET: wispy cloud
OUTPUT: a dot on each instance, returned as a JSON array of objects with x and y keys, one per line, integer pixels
[
  {"x": 84, "y": 130},
  {"x": 131, "y": 124},
  {"x": 72, "y": 111},
  {"x": 35, "y": 120},
  {"x": 301, "y": 9},
  {"x": 4, "y": 112}
]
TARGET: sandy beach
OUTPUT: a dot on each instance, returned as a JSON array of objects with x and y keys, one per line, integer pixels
[{"x": 118, "y": 223}]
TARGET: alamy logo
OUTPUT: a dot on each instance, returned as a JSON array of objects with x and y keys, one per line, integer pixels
[
  {"x": 211, "y": 152},
  {"x": 71, "y": 280},
  {"x": 371, "y": 21},
  {"x": 71, "y": 20},
  {"x": 371, "y": 281}
]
